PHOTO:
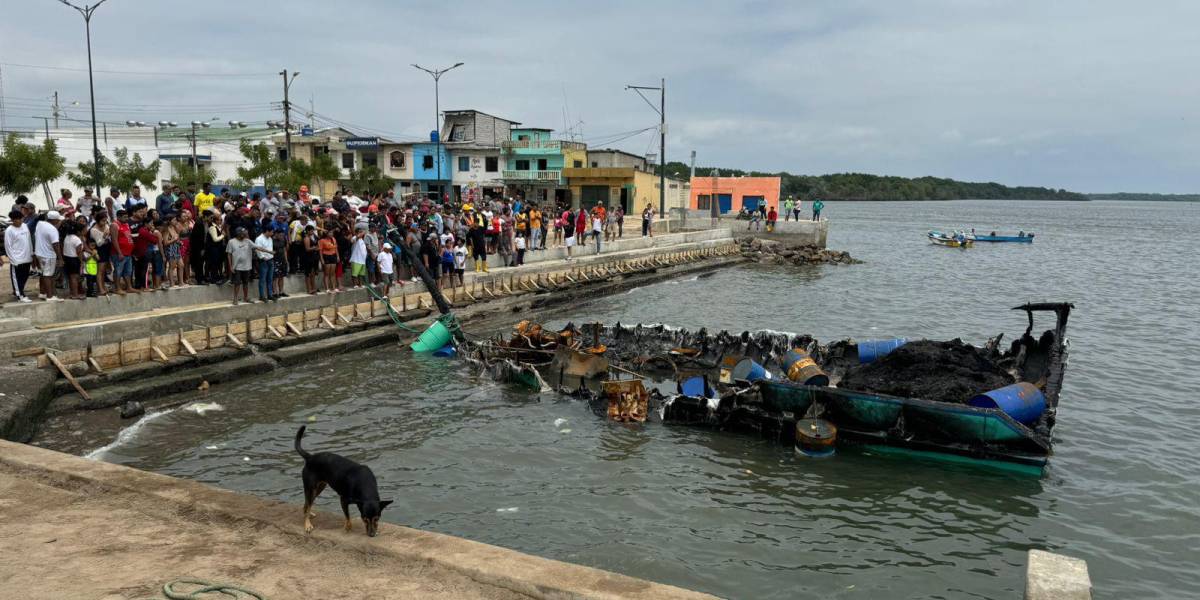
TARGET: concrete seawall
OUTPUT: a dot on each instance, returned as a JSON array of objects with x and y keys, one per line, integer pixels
[{"x": 76, "y": 528}]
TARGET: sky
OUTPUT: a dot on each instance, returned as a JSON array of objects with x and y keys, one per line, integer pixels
[{"x": 1091, "y": 96}]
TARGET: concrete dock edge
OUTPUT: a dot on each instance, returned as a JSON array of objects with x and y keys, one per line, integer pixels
[{"x": 523, "y": 574}]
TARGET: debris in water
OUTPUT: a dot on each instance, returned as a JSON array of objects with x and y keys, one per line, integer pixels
[
  {"x": 509, "y": 509},
  {"x": 212, "y": 447},
  {"x": 946, "y": 371},
  {"x": 559, "y": 422},
  {"x": 203, "y": 387},
  {"x": 131, "y": 409},
  {"x": 312, "y": 418},
  {"x": 201, "y": 408},
  {"x": 564, "y": 431},
  {"x": 246, "y": 458}
]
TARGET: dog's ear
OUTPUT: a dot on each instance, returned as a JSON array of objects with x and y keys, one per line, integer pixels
[{"x": 384, "y": 504}]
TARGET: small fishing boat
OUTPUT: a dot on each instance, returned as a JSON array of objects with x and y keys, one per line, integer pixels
[
  {"x": 1020, "y": 238},
  {"x": 951, "y": 240}
]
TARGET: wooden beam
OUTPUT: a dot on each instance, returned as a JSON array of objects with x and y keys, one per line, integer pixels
[
  {"x": 95, "y": 365},
  {"x": 233, "y": 339},
  {"x": 28, "y": 352},
  {"x": 275, "y": 332},
  {"x": 292, "y": 328},
  {"x": 187, "y": 346},
  {"x": 158, "y": 353},
  {"x": 343, "y": 318},
  {"x": 71, "y": 378},
  {"x": 327, "y": 322}
]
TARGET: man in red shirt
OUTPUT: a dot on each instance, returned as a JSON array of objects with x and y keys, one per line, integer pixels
[
  {"x": 122, "y": 254},
  {"x": 771, "y": 218}
]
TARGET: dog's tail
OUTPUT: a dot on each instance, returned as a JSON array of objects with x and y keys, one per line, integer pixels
[{"x": 300, "y": 434}]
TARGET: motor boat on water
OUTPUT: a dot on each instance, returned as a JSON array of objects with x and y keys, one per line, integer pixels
[{"x": 957, "y": 239}]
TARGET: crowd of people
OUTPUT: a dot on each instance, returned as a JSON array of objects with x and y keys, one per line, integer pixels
[
  {"x": 791, "y": 209},
  {"x": 128, "y": 243}
]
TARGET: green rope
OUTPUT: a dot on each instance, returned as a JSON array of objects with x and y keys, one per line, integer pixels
[
  {"x": 391, "y": 311},
  {"x": 206, "y": 590}
]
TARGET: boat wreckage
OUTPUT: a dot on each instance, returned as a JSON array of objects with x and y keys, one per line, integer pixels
[{"x": 993, "y": 402}]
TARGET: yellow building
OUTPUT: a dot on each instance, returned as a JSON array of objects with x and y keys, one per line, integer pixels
[{"x": 627, "y": 187}]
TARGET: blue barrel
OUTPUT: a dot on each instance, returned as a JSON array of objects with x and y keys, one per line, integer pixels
[
  {"x": 447, "y": 351},
  {"x": 748, "y": 370},
  {"x": 697, "y": 387},
  {"x": 870, "y": 350},
  {"x": 1021, "y": 401},
  {"x": 801, "y": 368}
]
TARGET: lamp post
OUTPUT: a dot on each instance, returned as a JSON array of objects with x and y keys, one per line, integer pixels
[
  {"x": 662, "y": 139},
  {"x": 195, "y": 161},
  {"x": 87, "y": 12},
  {"x": 287, "y": 110},
  {"x": 437, "y": 114}
]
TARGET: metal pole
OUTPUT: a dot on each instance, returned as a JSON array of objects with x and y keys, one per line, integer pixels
[
  {"x": 87, "y": 20},
  {"x": 437, "y": 126},
  {"x": 56, "y": 110},
  {"x": 195, "y": 162},
  {"x": 662, "y": 154},
  {"x": 287, "y": 120}
]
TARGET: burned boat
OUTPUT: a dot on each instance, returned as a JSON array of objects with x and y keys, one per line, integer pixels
[{"x": 946, "y": 397}]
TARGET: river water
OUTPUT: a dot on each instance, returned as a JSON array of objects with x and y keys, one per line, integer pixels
[{"x": 741, "y": 517}]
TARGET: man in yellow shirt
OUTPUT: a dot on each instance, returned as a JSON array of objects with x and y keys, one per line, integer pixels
[
  {"x": 204, "y": 200},
  {"x": 535, "y": 228}
]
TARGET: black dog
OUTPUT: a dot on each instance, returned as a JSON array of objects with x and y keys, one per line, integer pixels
[{"x": 354, "y": 483}]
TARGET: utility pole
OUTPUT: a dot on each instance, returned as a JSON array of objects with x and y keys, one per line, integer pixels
[
  {"x": 87, "y": 12},
  {"x": 661, "y": 109},
  {"x": 287, "y": 113},
  {"x": 56, "y": 110},
  {"x": 437, "y": 117}
]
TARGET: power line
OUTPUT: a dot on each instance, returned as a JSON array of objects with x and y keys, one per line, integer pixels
[{"x": 149, "y": 73}]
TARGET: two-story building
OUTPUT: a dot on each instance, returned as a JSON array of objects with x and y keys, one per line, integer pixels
[
  {"x": 618, "y": 178},
  {"x": 534, "y": 164}
]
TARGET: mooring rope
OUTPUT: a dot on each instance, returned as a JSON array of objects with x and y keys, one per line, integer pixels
[{"x": 207, "y": 590}]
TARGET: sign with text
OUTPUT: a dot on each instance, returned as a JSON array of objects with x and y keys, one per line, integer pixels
[{"x": 362, "y": 143}]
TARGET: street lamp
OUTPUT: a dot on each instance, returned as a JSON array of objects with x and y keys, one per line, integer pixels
[
  {"x": 661, "y": 109},
  {"x": 437, "y": 112},
  {"x": 195, "y": 161},
  {"x": 87, "y": 12}
]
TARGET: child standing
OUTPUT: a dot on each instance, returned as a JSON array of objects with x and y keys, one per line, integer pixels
[
  {"x": 91, "y": 266},
  {"x": 71, "y": 260},
  {"x": 447, "y": 259},
  {"x": 519, "y": 242},
  {"x": 460, "y": 259}
]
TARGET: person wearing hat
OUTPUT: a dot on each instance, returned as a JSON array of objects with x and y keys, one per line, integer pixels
[
  {"x": 385, "y": 261},
  {"x": 47, "y": 249}
]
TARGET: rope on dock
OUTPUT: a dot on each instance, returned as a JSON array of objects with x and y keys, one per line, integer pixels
[{"x": 207, "y": 591}]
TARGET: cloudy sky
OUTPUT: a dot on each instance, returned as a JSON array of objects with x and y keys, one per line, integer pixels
[{"x": 1087, "y": 95}]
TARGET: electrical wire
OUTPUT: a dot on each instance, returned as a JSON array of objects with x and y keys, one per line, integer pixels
[{"x": 149, "y": 73}]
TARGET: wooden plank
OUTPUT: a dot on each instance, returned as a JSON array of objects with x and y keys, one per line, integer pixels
[
  {"x": 187, "y": 346},
  {"x": 325, "y": 320},
  {"x": 292, "y": 328},
  {"x": 28, "y": 352},
  {"x": 71, "y": 378},
  {"x": 95, "y": 365},
  {"x": 274, "y": 332},
  {"x": 168, "y": 344},
  {"x": 158, "y": 354},
  {"x": 233, "y": 340}
]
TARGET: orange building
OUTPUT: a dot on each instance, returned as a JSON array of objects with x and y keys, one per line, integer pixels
[{"x": 735, "y": 193}]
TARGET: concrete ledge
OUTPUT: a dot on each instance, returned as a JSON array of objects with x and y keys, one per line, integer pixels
[
  {"x": 254, "y": 542},
  {"x": 1052, "y": 576}
]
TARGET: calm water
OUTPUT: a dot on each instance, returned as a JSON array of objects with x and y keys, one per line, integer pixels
[{"x": 740, "y": 517}]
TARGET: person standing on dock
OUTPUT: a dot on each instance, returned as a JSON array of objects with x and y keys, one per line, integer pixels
[
  {"x": 789, "y": 206},
  {"x": 240, "y": 260},
  {"x": 648, "y": 221},
  {"x": 264, "y": 248},
  {"x": 817, "y": 206},
  {"x": 18, "y": 247}
]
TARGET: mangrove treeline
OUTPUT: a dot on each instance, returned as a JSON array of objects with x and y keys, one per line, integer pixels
[{"x": 861, "y": 186}]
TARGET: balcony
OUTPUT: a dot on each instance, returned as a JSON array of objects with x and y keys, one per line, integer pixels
[
  {"x": 549, "y": 145},
  {"x": 549, "y": 176}
]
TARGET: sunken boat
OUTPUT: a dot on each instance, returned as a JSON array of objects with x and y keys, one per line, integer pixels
[{"x": 994, "y": 402}]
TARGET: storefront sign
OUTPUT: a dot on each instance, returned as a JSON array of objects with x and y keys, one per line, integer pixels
[{"x": 362, "y": 143}]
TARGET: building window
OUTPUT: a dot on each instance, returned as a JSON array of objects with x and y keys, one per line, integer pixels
[
  {"x": 464, "y": 163},
  {"x": 396, "y": 159},
  {"x": 595, "y": 164},
  {"x": 522, "y": 138},
  {"x": 703, "y": 202},
  {"x": 458, "y": 133},
  {"x": 523, "y": 165},
  {"x": 578, "y": 164},
  {"x": 347, "y": 160},
  {"x": 282, "y": 152},
  {"x": 427, "y": 161},
  {"x": 541, "y": 164},
  {"x": 370, "y": 159},
  {"x": 491, "y": 164}
]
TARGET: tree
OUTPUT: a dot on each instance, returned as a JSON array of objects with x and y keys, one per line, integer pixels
[
  {"x": 277, "y": 174},
  {"x": 371, "y": 179},
  {"x": 320, "y": 170},
  {"x": 122, "y": 172},
  {"x": 183, "y": 175},
  {"x": 24, "y": 167}
]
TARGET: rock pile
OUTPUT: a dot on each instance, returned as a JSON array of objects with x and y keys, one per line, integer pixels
[{"x": 776, "y": 253}]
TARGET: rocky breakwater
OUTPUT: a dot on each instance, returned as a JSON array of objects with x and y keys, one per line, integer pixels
[{"x": 777, "y": 253}]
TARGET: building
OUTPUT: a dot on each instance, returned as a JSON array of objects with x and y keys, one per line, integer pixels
[
  {"x": 534, "y": 164},
  {"x": 619, "y": 178},
  {"x": 734, "y": 193},
  {"x": 474, "y": 141}
]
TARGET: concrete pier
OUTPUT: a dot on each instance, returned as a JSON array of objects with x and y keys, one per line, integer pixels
[{"x": 77, "y": 528}]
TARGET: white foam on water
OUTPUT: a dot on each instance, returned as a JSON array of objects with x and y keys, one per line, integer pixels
[
  {"x": 126, "y": 434},
  {"x": 203, "y": 407},
  {"x": 559, "y": 422},
  {"x": 510, "y": 509}
]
